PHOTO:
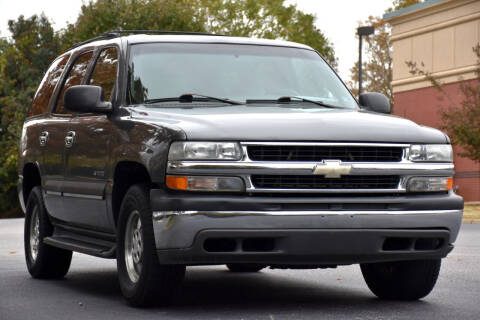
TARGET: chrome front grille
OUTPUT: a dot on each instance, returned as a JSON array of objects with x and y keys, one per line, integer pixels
[
  {"x": 318, "y": 153},
  {"x": 299, "y": 167},
  {"x": 319, "y": 182}
]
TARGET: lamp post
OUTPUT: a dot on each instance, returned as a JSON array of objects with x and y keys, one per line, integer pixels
[{"x": 362, "y": 31}]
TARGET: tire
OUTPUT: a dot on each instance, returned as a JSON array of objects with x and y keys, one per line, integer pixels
[
  {"x": 245, "y": 267},
  {"x": 43, "y": 261},
  {"x": 402, "y": 280},
  {"x": 143, "y": 280}
]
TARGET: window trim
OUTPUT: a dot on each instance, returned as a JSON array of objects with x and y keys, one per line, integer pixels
[
  {"x": 66, "y": 72},
  {"x": 90, "y": 71}
]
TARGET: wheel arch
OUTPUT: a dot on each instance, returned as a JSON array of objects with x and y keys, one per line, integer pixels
[
  {"x": 126, "y": 174},
  {"x": 31, "y": 178}
]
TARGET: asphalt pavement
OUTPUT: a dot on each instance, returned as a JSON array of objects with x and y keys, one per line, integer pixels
[{"x": 90, "y": 290}]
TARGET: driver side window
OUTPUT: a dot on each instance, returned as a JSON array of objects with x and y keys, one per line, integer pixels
[
  {"x": 105, "y": 73},
  {"x": 75, "y": 76}
]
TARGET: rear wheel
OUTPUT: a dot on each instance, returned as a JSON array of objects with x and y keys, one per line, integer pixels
[
  {"x": 401, "y": 280},
  {"x": 143, "y": 280},
  {"x": 43, "y": 261},
  {"x": 245, "y": 267}
]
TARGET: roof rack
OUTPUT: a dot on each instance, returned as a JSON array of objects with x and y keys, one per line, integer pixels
[{"x": 118, "y": 33}]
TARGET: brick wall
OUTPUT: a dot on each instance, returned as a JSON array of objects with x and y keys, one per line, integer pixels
[{"x": 424, "y": 107}]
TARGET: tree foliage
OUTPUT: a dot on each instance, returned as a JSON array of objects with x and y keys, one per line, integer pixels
[
  {"x": 270, "y": 19},
  {"x": 377, "y": 65},
  {"x": 25, "y": 56},
  {"x": 23, "y": 60},
  {"x": 97, "y": 17},
  {"x": 461, "y": 121},
  {"x": 377, "y": 70}
]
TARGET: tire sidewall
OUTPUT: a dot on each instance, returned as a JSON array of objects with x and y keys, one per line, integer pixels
[
  {"x": 135, "y": 199},
  {"x": 35, "y": 202}
]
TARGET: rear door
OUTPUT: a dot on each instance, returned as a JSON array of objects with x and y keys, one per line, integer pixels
[
  {"x": 57, "y": 126},
  {"x": 86, "y": 167},
  {"x": 47, "y": 135}
]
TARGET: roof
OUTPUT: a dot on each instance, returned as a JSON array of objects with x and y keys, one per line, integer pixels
[
  {"x": 415, "y": 7},
  {"x": 141, "y": 38}
]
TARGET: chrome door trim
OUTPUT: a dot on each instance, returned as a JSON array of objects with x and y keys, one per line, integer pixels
[{"x": 83, "y": 196}]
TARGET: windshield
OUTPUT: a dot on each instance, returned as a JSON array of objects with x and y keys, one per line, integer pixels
[{"x": 235, "y": 72}]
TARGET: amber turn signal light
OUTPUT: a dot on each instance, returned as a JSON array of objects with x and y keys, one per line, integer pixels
[
  {"x": 204, "y": 183},
  {"x": 449, "y": 183},
  {"x": 179, "y": 183}
]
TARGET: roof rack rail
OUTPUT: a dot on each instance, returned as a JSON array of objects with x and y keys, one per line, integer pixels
[
  {"x": 106, "y": 35},
  {"x": 118, "y": 33},
  {"x": 192, "y": 33}
]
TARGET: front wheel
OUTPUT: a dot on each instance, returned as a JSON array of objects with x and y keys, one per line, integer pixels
[
  {"x": 401, "y": 280},
  {"x": 143, "y": 280},
  {"x": 43, "y": 261}
]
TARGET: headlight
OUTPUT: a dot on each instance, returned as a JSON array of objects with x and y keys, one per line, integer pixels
[
  {"x": 429, "y": 184},
  {"x": 194, "y": 150},
  {"x": 431, "y": 153}
]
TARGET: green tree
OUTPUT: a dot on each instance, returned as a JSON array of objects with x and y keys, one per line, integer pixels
[
  {"x": 270, "y": 19},
  {"x": 23, "y": 60},
  {"x": 97, "y": 17}
]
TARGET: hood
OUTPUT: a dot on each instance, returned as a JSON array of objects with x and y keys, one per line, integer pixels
[{"x": 286, "y": 123}]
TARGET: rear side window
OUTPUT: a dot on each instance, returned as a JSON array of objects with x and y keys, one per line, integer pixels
[
  {"x": 46, "y": 87},
  {"x": 75, "y": 76},
  {"x": 105, "y": 72}
]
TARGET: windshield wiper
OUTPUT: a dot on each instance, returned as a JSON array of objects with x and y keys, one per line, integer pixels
[
  {"x": 292, "y": 99},
  {"x": 190, "y": 97},
  {"x": 288, "y": 99}
]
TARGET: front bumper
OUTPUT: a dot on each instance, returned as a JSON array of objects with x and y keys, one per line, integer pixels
[{"x": 290, "y": 231}]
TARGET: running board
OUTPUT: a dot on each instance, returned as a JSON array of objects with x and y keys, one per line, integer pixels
[{"x": 77, "y": 245}]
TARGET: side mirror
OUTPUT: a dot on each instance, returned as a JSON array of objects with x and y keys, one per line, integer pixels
[
  {"x": 376, "y": 102},
  {"x": 86, "y": 99}
]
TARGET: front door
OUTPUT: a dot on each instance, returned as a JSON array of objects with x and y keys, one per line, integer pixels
[
  {"x": 88, "y": 155},
  {"x": 85, "y": 172}
]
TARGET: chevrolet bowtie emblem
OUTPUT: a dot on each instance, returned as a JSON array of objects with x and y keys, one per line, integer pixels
[{"x": 332, "y": 168}]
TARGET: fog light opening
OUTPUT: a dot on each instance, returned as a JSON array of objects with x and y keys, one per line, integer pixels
[
  {"x": 397, "y": 244},
  {"x": 220, "y": 245},
  {"x": 428, "y": 243}
]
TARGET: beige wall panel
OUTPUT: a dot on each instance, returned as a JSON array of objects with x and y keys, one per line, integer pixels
[
  {"x": 422, "y": 51},
  {"x": 442, "y": 13},
  {"x": 443, "y": 49},
  {"x": 427, "y": 83},
  {"x": 466, "y": 36},
  {"x": 440, "y": 36},
  {"x": 402, "y": 51}
]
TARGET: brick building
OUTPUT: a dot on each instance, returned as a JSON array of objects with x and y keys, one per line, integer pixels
[{"x": 440, "y": 34}]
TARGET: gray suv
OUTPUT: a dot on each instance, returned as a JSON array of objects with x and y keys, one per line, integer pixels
[{"x": 167, "y": 150}]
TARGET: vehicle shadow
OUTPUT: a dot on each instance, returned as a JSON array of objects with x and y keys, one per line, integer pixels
[{"x": 208, "y": 293}]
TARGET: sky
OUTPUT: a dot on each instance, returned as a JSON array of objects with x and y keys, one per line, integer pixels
[{"x": 337, "y": 19}]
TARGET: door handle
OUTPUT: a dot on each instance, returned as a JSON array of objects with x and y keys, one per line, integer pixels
[
  {"x": 70, "y": 139},
  {"x": 43, "y": 138}
]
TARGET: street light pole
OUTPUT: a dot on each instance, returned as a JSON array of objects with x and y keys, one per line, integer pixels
[{"x": 362, "y": 31}]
